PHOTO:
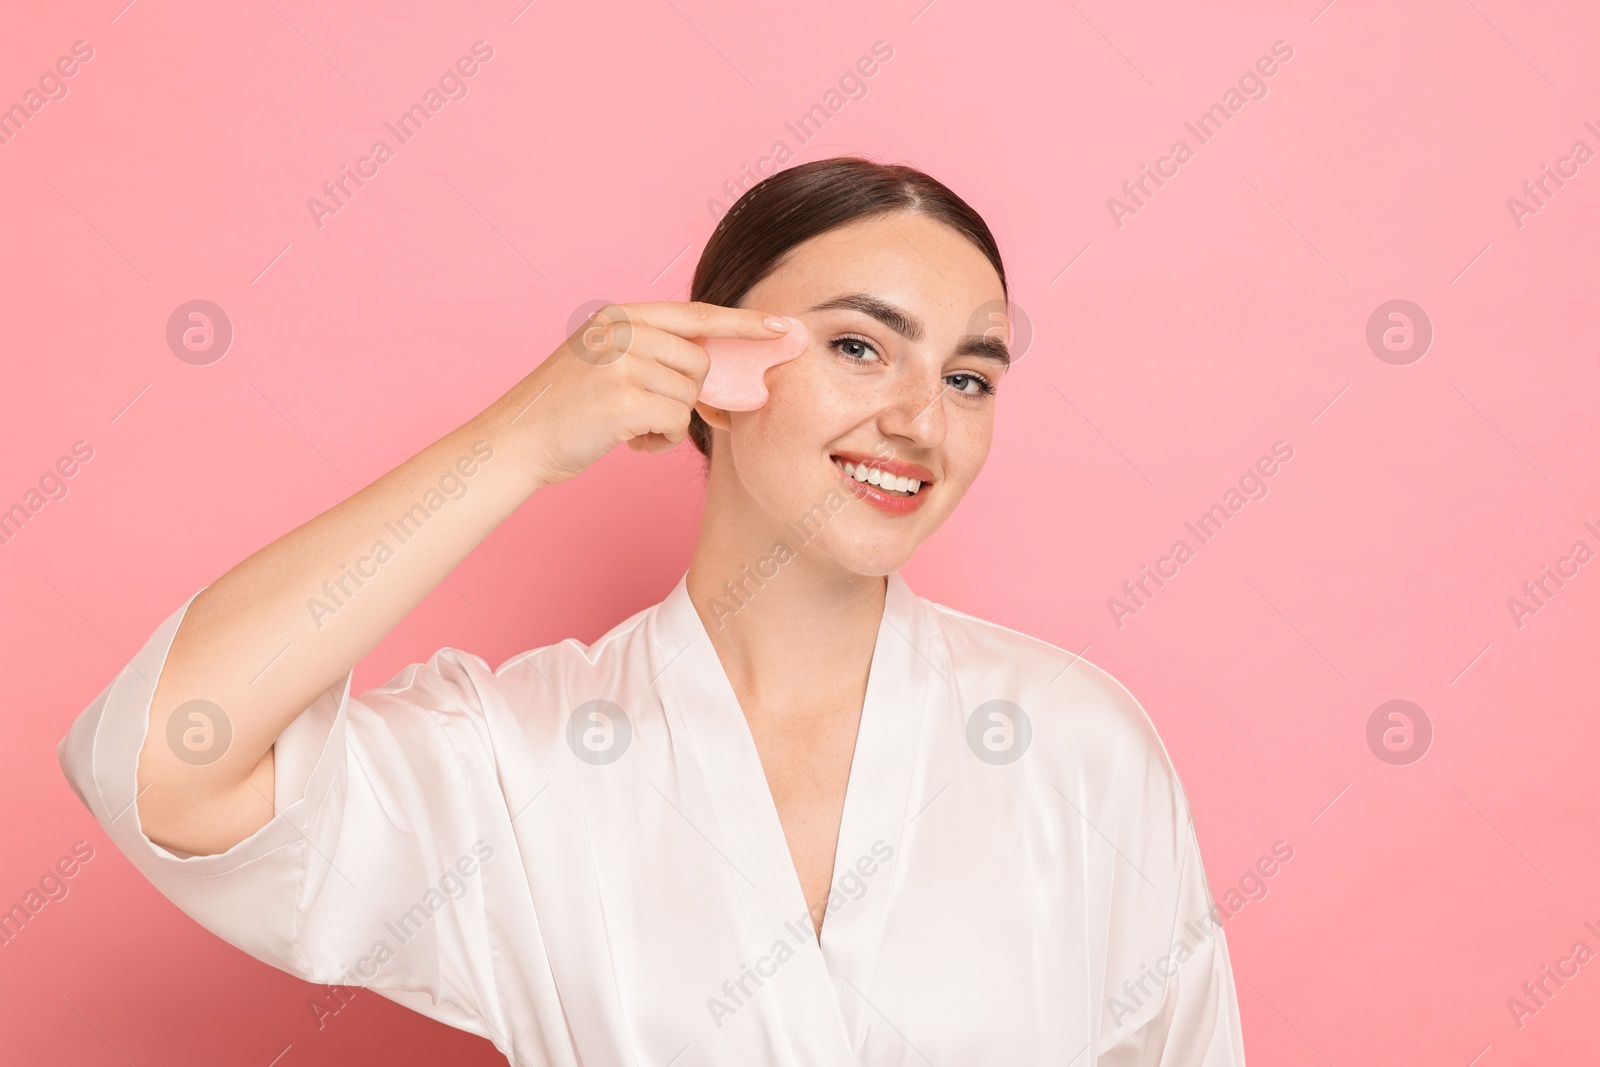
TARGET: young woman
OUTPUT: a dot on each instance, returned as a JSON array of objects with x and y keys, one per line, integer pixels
[{"x": 792, "y": 814}]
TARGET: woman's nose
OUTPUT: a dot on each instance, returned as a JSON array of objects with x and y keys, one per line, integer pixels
[{"x": 916, "y": 412}]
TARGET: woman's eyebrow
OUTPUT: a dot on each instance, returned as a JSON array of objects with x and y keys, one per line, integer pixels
[{"x": 910, "y": 327}]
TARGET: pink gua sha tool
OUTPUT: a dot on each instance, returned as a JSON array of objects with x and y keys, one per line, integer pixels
[{"x": 735, "y": 381}]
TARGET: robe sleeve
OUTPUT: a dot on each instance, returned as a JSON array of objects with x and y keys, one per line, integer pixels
[
  {"x": 1193, "y": 1021},
  {"x": 371, "y": 872}
]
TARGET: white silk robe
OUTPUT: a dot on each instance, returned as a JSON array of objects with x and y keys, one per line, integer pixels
[{"x": 577, "y": 857}]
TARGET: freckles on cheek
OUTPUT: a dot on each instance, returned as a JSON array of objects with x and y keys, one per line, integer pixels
[
  {"x": 837, "y": 404},
  {"x": 806, "y": 404},
  {"x": 967, "y": 452}
]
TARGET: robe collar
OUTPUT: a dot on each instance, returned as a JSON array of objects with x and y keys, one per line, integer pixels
[{"x": 821, "y": 999}]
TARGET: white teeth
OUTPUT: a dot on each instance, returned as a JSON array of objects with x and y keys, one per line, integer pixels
[{"x": 881, "y": 478}]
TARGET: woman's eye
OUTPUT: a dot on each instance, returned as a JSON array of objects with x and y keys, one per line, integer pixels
[
  {"x": 961, "y": 381},
  {"x": 854, "y": 348}
]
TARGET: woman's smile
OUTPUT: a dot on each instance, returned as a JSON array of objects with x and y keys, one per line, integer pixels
[{"x": 891, "y": 486}]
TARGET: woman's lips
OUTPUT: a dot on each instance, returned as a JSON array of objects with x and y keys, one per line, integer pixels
[
  {"x": 887, "y": 502},
  {"x": 883, "y": 463}
]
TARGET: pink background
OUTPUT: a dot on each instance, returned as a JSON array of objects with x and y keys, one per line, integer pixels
[{"x": 1228, "y": 313}]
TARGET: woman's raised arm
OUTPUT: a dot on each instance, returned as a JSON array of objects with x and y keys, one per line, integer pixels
[{"x": 258, "y": 645}]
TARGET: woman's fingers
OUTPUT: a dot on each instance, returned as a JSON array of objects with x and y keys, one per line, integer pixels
[
  {"x": 669, "y": 382},
  {"x": 667, "y": 331},
  {"x": 696, "y": 318},
  {"x": 631, "y": 372}
]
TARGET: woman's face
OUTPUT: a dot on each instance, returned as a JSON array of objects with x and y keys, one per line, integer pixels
[{"x": 897, "y": 379}]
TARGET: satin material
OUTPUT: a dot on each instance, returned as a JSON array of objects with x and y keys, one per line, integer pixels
[{"x": 608, "y": 883}]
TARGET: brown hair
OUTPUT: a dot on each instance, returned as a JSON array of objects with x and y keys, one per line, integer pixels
[{"x": 794, "y": 205}]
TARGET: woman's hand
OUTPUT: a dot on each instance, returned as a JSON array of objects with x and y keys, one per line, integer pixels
[{"x": 630, "y": 373}]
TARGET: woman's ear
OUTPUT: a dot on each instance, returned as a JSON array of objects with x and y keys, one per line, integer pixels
[{"x": 713, "y": 416}]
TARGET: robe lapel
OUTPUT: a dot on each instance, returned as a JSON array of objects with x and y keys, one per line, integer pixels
[
  {"x": 877, "y": 811},
  {"x": 817, "y": 999}
]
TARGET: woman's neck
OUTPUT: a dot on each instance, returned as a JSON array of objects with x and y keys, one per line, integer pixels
[{"x": 794, "y": 631}]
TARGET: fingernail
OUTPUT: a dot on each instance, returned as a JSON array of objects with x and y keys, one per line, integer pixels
[{"x": 776, "y": 324}]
